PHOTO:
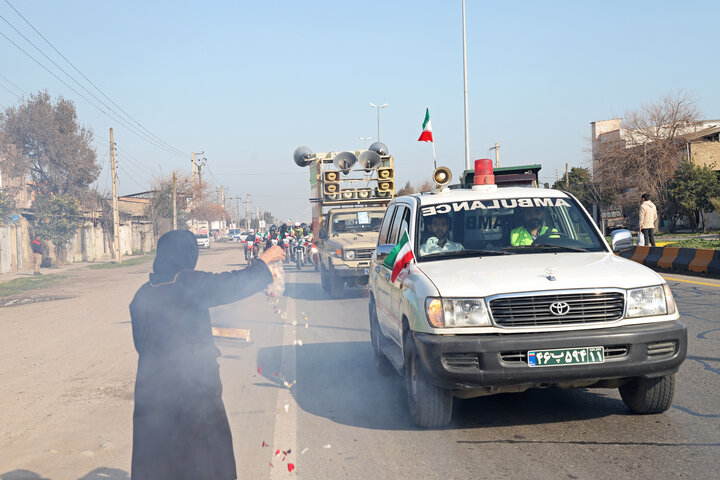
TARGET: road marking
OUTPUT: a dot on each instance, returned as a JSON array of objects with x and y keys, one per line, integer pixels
[
  {"x": 675, "y": 279},
  {"x": 285, "y": 436}
]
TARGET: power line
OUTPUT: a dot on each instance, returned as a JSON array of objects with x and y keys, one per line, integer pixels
[
  {"x": 11, "y": 83},
  {"x": 11, "y": 92},
  {"x": 268, "y": 173},
  {"x": 91, "y": 83},
  {"x": 139, "y": 184},
  {"x": 120, "y": 120}
]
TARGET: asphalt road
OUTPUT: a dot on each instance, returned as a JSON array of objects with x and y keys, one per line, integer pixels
[{"x": 305, "y": 384}]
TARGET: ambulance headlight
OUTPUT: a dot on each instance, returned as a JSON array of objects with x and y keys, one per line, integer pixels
[
  {"x": 457, "y": 312},
  {"x": 645, "y": 302}
]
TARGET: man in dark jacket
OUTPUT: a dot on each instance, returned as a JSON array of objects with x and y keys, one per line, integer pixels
[{"x": 180, "y": 428}]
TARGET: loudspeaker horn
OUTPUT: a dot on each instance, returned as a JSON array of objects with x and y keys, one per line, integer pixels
[
  {"x": 303, "y": 156},
  {"x": 369, "y": 160},
  {"x": 442, "y": 176},
  {"x": 379, "y": 148},
  {"x": 344, "y": 161}
]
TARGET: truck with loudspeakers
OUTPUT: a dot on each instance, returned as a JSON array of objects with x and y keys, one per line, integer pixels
[{"x": 350, "y": 191}]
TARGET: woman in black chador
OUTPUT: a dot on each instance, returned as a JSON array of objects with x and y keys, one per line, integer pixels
[{"x": 180, "y": 428}]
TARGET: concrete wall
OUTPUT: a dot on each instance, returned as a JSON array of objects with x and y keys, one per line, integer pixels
[{"x": 90, "y": 244}]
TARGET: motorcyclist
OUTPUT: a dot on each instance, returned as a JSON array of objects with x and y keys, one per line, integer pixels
[
  {"x": 298, "y": 231},
  {"x": 250, "y": 240},
  {"x": 272, "y": 235},
  {"x": 283, "y": 230}
]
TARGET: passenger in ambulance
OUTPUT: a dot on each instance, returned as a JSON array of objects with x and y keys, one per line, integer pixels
[{"x": 438, "y": 241}]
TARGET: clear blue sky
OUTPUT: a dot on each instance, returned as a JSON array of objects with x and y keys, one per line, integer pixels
[{"x": 248, "y": 82}]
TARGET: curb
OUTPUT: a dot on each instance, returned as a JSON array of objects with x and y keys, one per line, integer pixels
[{"x": 678, "y": 259}]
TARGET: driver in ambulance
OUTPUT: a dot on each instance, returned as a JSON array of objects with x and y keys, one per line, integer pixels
[{"x": 531, "y": 228}]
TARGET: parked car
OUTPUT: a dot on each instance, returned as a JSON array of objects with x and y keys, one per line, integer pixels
[{"x": 203, "y": 240}]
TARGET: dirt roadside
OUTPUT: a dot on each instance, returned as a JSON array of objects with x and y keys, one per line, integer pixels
[{"x": 67, "y": 372}]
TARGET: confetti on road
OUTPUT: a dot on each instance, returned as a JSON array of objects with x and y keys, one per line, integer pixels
[
  {"x": 260, "y": 370},
  {"x": 275, "y": 374},
  {"x": 265, "y": 444},
  {"x": 306, "y": 325},
  {"x": 286, "y": 407},
  {"x": 291, "y": 467},
  {"x": 294, "y": 322},
  {"x": 289, "y": 385},
  {"x": 298, "y": 343},
  {"x": 277, "y": 452},
  {"x": 283, "y": 316},
  {"x": 304, "y": 450},
  {"x": 327, "y": 446}
]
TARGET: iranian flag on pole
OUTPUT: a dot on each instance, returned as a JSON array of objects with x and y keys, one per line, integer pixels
[
  {"x": 399, "y": 256},
  {"x": 426, "y": 135}
]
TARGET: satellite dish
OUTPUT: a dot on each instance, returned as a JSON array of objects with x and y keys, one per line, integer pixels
[
  {"x": 303, "y": 156},
  {"x": 344, "y": 161},
  {"x": 369, "y": 160},
  {"x": 379, "y": 148}
]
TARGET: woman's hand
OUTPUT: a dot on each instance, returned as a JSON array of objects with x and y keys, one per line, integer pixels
[{"x": 273, "y": 254}]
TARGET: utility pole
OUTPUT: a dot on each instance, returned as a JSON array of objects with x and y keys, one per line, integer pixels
[
  {"x": 247, "y": 211},
  {"x": 497, "y": 154},
  {"x": 222, "y": 196},
  {"x": 237, "y": 202},
  {"x": 567, "y": 178},
  {"x": 174, "y": 202},
  {"x": 192, "y": 159},
  {"x": 116, "y": 215}
]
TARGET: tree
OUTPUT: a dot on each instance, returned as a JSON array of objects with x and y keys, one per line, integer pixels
[
  {"x": 43, "y": 138},
  {"x": 644, "y": 157},
  {"x": 691, "y": 191},
  {"x": 7, "y": 206},
  {"x": 160, "y": 210},
  {"x": 57, "y": 218},
  {"x": 408, "y": 189}
]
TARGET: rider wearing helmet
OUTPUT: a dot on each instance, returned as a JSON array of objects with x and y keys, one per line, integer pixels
[
  {"x": 298, "y": 231},
  {"x": 272, "y": 235}
]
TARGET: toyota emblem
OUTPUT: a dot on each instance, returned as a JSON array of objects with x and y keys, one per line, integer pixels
[{"x": 559, "y": 308}]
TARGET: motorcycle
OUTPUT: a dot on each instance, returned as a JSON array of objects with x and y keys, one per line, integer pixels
[
  {"x": 301, "y": 253},
  {"x": 286, "y": 247},
  {"x": 252, "y": 249},
  {"x": 314, "y": 256}
]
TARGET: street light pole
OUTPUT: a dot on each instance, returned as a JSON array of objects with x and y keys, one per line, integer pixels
[
  {"x": 378, "y": 115},
  {"x": 467, "y": 126}
]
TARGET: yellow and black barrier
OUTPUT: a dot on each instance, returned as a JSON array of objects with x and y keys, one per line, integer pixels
[{"x": 679, "y": 259}]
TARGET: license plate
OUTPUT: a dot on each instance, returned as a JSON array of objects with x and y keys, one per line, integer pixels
[{"x": 565, "y": 356}]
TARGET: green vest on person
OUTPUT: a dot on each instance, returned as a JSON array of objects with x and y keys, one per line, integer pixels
[{"x": 520, "y": 236}]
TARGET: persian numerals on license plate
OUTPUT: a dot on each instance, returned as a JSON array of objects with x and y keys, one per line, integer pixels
[{"x": 565, "y": 356}]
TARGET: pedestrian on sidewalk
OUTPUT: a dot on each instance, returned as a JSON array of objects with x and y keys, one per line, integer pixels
[
  {"x": 648, "y": 219},
  {"x": 180, "y": 427},
  {"x": 37, "y": 253}
]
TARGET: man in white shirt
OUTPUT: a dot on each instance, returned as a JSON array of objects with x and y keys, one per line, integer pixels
[{"x": 438, "y": 242}]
